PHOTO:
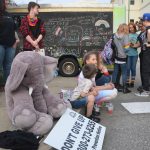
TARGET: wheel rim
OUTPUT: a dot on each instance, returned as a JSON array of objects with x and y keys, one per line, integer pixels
[{"x": 68, "y": 68}]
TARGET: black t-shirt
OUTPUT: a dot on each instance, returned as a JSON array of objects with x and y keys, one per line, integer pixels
[
  {"x": 145, "y": 57},
  {"x": 7, "y": 30},
  {"x": 36, "y": 29},
  {"x": 142, "y": 38},
  {"x": 98, "y": 75}
]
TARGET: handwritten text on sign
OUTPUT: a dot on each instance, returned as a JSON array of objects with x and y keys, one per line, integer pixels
[{"x": 75, "y": 132}]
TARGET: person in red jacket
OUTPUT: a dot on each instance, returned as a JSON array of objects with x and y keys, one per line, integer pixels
[{"x": 32, "y": 29}]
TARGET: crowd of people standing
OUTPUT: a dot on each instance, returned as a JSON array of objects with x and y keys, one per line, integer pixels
[
  {"x": 128, "y": 42},
  {"x": 98, "y": 85}
]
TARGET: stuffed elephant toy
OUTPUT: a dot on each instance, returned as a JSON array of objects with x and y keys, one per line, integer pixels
[{"x": 30, "y": 104}]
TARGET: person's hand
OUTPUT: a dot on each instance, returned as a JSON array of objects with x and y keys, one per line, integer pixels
[
  {"x": 147, "y": 44},
  {"x": 132, "y": 45},
  {"x": 92, "y": 89},
  {"x": 17, "y": 41},
  {"x": 37, "y": 49},
  {"x": 35, "y": 44},
  {"x": 112, "y": 85},
  {"x": 15, "y": 45},
  {"x": 83, "y": 94},
  {"x": 94, "y": 92},
  {"x": 109, "y": 86}
]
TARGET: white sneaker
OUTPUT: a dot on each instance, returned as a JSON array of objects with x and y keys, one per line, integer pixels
[
  {"x": 96, "y": 108},
  {"x": 143, "y": 94}
]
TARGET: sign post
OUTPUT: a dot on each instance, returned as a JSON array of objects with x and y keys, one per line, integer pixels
[{"x": 76, "y": 132}]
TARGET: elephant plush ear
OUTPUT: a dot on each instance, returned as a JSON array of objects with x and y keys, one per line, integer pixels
[
  {"x": 50, "y": 65},
  {"x": 17, "y": 72}
]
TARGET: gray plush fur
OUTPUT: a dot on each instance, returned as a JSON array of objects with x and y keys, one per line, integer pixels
[{"x": 33, "y": 112}]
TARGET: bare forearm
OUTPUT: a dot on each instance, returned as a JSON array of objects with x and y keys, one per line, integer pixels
[
  {"x": 33, "y": 43},
  {"x": 29, "y": 39},
  {"x": 136, "y": 45},
  {"x": 103, "y": 87},
  {"x": 86, "y": 94},
  {"x": 108, "y": 86},
  {"x": 39, "y": 38}
]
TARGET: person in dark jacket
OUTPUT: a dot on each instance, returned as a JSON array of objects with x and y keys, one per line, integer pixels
[
  {"x": 7, "y": 41},
  {"x": 145, "y": 57},
  {"x": 32, "y": 29}
]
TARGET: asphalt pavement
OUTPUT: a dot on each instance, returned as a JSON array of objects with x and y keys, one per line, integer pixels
[{"x": 124, "y": 131}]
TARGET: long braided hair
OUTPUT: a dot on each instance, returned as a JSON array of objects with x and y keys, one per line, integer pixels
[{"x": 2, "y": 9}]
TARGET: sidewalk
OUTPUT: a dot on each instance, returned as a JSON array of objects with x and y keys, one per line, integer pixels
[{"x": 124, "y": 131}]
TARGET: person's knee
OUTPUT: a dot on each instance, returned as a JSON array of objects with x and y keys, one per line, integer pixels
[
  {"x": 114, "y": 94},
  {"x": 91, "y": 99}
]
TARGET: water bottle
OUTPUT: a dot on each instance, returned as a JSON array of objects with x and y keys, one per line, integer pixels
[{"x": 110, "y": 108}]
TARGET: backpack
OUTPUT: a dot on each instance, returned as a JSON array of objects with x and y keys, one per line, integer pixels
[{"x": 108, "y": 53}]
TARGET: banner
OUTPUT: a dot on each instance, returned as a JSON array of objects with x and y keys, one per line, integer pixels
[{"x": 76, "y": 132}]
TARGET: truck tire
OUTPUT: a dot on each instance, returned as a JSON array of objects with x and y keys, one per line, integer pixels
[{"x": 69, "y": 67}]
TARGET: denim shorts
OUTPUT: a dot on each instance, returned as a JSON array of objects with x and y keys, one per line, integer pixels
[{"x": 79, "y": 103}]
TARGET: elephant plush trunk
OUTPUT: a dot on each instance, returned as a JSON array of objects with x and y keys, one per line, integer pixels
[{"x": 38, "y": 100}]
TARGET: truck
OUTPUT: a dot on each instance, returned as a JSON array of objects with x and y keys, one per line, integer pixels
[{"x": 72, "y": 32}]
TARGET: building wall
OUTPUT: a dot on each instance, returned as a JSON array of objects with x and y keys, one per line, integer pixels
[
  {"x": 145, "y": 7},
  {"x": 131, "y": 11},
  {"x": 119, "y": 15},
  {"x": 134, "y": 11}
]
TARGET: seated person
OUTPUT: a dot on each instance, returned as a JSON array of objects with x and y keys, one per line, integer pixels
[
  {"x": 106, "y": 91},
  {"x": 102, "y": 76},
  {"x": 83, "y": 95}
]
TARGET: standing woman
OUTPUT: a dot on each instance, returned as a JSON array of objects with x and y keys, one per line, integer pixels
[
  {"x": 32, "y": 29},
  {"x": 121, "y": 41},
  {"x": 132, "y": 56},
  {"x": 7, "y": 41}
]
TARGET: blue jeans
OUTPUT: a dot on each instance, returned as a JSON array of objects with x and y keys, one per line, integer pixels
[
  {"x": 131, "y": 65},
  {"x": 6, "y": 57},
  {"x": 104, "y": 79},
  {"x": 81, "y": 102},
  {"x": 123, "y": 72}
]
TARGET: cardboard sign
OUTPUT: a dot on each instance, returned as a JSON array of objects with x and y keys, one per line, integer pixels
[{"x": 76, "y": 132}]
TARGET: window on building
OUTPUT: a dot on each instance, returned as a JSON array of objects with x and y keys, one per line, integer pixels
[
  {"x": 131, "y": 2},
  {"x": 132, "y": 20}
]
